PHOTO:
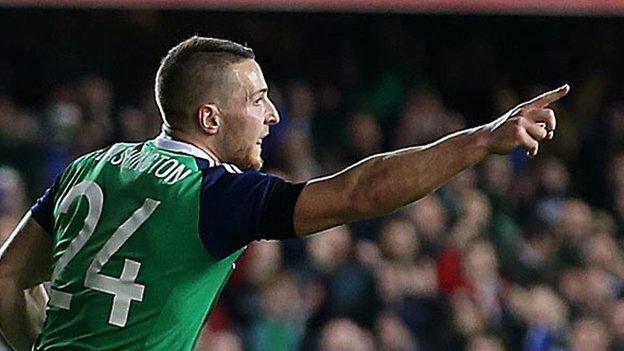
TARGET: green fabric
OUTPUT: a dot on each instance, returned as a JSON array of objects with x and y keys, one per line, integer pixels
[{"x": 181, "y": 281}]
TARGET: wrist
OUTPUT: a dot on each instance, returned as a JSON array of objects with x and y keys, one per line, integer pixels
[{"x": 481, "y": 142}]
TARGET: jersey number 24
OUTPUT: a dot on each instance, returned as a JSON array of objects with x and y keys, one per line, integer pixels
[{"x": 124, "y": 288}]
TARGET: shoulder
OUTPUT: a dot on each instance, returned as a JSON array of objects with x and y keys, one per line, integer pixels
[
  {"x": 238, "y": 207},
  {"x": 99, "y": 154},
  {"x": 86, "y": 162},
  {"x": 228, "y": 177}
]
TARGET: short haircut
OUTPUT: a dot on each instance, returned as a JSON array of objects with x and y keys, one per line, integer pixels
[{"x": 191, "y": 72}]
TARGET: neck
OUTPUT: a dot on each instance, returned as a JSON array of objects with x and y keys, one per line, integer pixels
[{"x": 192, "y": 139}]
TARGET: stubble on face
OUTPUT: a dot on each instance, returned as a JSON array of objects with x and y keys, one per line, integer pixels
[
  {"x": 241, "y": 153},
  {"x": 242, "y": 126}
]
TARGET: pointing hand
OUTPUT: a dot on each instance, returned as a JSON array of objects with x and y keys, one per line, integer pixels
[{"x": 525, "y": 125}]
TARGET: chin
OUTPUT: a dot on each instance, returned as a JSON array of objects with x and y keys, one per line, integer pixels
[
  {"x": 251, "y": 163},
  {"x": 256, "y": 164},
  {"x": 250, "y": 160},
  {"x": 256, "y": 160}
]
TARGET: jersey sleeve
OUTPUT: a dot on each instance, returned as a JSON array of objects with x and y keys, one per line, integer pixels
[
  {"x": 238, "y": 208},
  {"x": 42, "y": 210}
]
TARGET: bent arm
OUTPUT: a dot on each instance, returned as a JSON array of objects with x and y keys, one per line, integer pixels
[
  {"x": 25, "y": 262},
  {"x": 385, "y": 182}
]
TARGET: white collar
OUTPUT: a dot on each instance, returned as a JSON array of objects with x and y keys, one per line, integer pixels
[{"x": 164, "y": 141}]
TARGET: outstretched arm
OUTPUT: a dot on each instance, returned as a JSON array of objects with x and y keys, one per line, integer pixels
[
  {"x": 25, "y": 261},
  {"x": 385, "y": 182}
]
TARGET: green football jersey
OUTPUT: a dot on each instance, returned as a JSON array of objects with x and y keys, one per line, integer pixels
[{"x": 146, "y": 236}]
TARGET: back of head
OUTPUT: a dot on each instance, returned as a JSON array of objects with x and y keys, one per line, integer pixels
[{"x": 193, "y": 73}]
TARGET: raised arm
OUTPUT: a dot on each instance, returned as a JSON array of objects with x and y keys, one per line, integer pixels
[
  {"x": 25, "y": 261},
  {"x": 385, "y": 182}
]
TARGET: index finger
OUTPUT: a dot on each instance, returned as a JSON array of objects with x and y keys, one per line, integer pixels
[{"x": 549, "y": 97}]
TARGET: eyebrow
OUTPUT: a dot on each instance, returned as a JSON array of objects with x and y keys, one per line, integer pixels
[{"x": 263, "y": 90}]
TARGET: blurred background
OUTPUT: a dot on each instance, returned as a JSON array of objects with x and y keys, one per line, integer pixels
[{"x": 514, "y": 254}]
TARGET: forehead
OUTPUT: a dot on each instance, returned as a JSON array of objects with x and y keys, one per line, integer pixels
[{"x": 249, "y": 74}]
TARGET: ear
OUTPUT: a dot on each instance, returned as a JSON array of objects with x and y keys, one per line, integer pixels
[{"x": 209, "y": 118}]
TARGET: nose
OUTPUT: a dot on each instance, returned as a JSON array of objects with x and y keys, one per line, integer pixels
[{"x": 273, "y": 116}]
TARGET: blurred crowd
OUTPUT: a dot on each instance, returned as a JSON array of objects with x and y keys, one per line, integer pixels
[{"x": 513, "y": 254}]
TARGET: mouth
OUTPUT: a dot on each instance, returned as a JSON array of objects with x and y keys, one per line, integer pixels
[{"x": 259, "y": 141}]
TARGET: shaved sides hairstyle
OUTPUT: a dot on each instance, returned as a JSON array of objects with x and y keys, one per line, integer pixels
[{"x": 194, "y": 72}]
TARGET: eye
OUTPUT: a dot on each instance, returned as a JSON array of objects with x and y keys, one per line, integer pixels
[{"x": 257, "y": 102}]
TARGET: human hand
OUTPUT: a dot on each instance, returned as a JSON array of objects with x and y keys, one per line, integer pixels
[{"x": 525, "y": 125}]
